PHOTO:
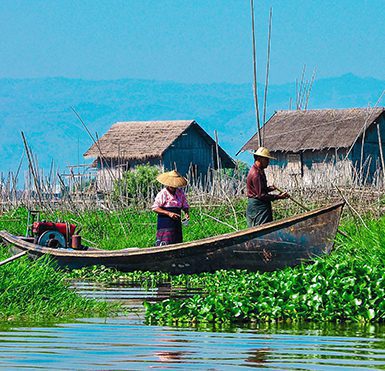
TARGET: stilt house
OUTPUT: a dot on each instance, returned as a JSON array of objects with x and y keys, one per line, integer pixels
[
  {"x": 181, "y": 145},
  {"x": 307, "y": 143}
]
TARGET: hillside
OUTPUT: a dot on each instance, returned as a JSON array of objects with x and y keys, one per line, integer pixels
[{"x": 41, "y": 108}]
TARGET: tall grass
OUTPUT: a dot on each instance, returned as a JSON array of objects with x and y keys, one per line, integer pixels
[
  {"x": 132, "y": 227},
  {"x": 35, "y": 291}
]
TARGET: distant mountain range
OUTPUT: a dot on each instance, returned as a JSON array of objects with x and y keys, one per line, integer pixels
[{"x": 41, "y": 109}]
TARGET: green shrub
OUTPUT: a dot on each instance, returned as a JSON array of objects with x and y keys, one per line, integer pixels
[{"x": 137, "y": 186}]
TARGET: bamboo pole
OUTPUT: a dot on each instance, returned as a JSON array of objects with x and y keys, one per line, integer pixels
[
  {"x": 255, "y": 87},
  {"x": 307, "y": 209},
  {"x": 301, "y": 88},
  {"x": 27, "y": 150},
  {"x": 12, "y": 258},
  {"x": 309, "y": 88},
  {"x": 293, "y": 199},
  {"x": 96, "y": 142},
  {"x": 267, "y": 72},
  {"x": 217, "y": 149}
]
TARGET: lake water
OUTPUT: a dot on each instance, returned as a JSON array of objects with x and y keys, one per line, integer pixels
[{"x": 125, "y": 343}]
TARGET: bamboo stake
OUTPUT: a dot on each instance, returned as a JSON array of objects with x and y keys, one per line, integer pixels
[
  {"x": 219, "y": 221},
  {"x": 301, "y": 87},
  {"x": 267, "y": 73},
  {"x": 217, "y": 149},
  {"x": 351, "y": 207},
  {"x": 309, "y": 88},
  {"x": 96, "y": 141},
  {"x": 255, "y": 76},
  {"x": 370, "y": 111},
  {"x": 12, "y": 258},
  {"x": 362, "y": 150},
  {"x": 27, "y": 150}
]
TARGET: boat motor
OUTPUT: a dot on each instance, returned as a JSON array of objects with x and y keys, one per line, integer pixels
[{"x": 54, "y": 235}]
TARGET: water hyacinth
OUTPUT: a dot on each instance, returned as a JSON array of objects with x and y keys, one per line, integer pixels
[{"x": 349, "y": 291}]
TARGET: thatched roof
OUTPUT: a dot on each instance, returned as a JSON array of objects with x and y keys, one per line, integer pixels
[
  {"x": 143, "y": 140},
  {"x": 294, "y": 131}
]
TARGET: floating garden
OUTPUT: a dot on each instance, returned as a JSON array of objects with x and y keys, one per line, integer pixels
[{"x": 348, "y": 285}]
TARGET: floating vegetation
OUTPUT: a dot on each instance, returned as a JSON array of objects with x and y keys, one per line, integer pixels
[
  {"x": 349, "y": 291},
  {"x": 348, "y": 285},
  {"x": 102, "y": 274}
]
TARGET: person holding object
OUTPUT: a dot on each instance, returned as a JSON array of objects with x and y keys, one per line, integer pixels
[
  {"x": 169, "y": 203},
  {"x": 259, "y": 210}
]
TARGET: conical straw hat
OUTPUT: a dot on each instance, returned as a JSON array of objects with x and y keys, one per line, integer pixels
[
  {"x": 263, "y": 152},
  {"x": 172, "y": 179}
]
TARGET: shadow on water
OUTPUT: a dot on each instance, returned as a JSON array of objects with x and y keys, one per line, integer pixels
[{"x": 125, "y": 342}]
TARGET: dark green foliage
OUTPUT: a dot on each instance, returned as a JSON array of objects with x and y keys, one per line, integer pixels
[
  {"x": 350, "y": 291},
  {"x": 240, "y": 171},
  {"x": 137, "y": 185}
]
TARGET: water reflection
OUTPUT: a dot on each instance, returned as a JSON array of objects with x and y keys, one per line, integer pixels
[
  {"x": 171, "y": 356},
  {"x": 124, "y": 343},
  {"x": 258, "y": 355}
]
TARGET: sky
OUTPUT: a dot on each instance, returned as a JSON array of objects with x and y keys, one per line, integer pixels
[{"x": 190, "y": 41}]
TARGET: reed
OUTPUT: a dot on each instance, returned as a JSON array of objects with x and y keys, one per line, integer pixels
[
  {"x": 82, "y": 192},
  {"x": 36, "y": 292}
]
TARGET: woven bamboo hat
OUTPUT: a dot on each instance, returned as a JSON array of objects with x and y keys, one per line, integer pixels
[
  {"x": 172, "y": 179},
  {"x": 263, "y": 152}
]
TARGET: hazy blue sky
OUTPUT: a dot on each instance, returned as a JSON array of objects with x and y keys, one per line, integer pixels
[{"x": 195, "y": 41}]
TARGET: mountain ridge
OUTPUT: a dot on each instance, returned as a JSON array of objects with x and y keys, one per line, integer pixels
[{"x": 41, "y": 108}]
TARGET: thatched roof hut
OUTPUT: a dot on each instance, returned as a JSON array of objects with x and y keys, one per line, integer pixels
[
  {"x": 335, "y": 141},
  {"x": 161, "y": 141},
  {"x": 295, "y": 131}
]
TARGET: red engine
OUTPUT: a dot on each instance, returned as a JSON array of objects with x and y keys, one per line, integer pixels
[{"x": 38, "y": 228}]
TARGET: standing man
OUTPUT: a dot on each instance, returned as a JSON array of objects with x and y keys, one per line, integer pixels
[{"x": 259, "y": 209}]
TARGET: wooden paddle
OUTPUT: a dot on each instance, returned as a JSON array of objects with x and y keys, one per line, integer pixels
[
  {"x": 12, "y": 258},
  {"x": 293, "y": 199},
  {"x": 307, "y": 209}
]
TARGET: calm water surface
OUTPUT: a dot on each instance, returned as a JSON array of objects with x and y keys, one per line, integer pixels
[{"x": 125, "y": 343}]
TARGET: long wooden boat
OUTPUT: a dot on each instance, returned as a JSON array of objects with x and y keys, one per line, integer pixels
[{"x": 268, "y": 247}]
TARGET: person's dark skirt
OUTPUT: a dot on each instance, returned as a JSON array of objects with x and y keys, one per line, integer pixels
[
  {"x": 169, "y": 231},
  {"x": 258, "y": 212}
]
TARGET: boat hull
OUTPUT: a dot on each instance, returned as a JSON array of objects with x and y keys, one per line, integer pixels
[{"x": 269, "y": 247}]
